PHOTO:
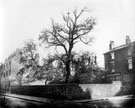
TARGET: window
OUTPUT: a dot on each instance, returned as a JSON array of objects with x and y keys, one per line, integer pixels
[
  {"x": 112, "y": 55},
  {"x": 9, "y": 84},
  {"x": 10, "y": 72},
  {"x": 118, "y": 78},
  {"x": 106, "y": 67},
  {"x": 9, "y": 63},
  {"x": 112, "y": 78},
  {"x": 6, "y": 73},
  {"x": 3, "y": 66},
  {"x": 113, "y": 66},
  {"x": 6, "y": 64},
  {"x": 130, "y": 65},
  {"x": 115, "y": 78}
]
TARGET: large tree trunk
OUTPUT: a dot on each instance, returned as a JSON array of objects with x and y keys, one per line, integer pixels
[{"x": 67, "y": 80}]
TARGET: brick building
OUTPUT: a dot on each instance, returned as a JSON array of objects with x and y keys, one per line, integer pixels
[
  {"x": 9, "y": 69},
  {"x": 120, "y": 61}
]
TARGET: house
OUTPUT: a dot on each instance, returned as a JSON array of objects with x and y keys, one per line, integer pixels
[
  {"x": 120, "y": 61},
  {"x": 9, "y": 69},
  {"x": 0, "y": 74}
]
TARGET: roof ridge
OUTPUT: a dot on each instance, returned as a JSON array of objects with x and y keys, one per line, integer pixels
[{"x": 119, "y": 47}]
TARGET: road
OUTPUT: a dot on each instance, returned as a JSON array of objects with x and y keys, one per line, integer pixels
[
  {"x": 114, "y": 103},
  {"x": 10, "y": 102}
]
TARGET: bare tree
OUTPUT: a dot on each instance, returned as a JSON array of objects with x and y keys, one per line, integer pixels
[{"x": 73, "y": 30}]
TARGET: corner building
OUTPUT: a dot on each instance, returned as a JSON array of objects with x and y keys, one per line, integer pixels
[{"x": 120, "y": 62}]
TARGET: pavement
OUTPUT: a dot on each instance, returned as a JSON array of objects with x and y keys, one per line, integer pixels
[
  {"x": 46, "y": 100},
  {"x": 29, "y": 98},
  {"x": 105, "y": 98}
]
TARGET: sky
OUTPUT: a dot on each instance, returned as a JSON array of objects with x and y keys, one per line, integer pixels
[{"x": 25, "y": 19}]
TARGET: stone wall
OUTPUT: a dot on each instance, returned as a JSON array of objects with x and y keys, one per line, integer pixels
[
  {"x": 102, "y": 90},
  {"x": 81, "y": 91},
  {"x": 52, "y": 91}
]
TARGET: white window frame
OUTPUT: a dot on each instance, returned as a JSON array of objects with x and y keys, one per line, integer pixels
[
  {"x": 130, "y": 63},
  {"x": 112, "y": 55}
]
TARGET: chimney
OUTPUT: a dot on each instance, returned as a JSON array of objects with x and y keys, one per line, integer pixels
[
  {"x": 128, "y": 40},
  {"x": 111, "y": 45}
]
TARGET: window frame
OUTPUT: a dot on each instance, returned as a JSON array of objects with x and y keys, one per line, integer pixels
[
  {"x": 112, "y": 66},
  {"x": 112, "y": 55},
  {"x": 130, "y": 63}
]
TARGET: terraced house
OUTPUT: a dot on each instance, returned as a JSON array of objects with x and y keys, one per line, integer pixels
[
  {"x": 9, "y": 69},
  {"x": 0, "y": 75},
  {"x": 120, "y": 61}
]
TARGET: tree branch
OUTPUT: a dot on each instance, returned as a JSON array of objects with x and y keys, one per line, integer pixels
[{"x": 86, "y": 42}]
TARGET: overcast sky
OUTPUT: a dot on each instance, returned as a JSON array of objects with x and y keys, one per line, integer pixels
[{"x": 23, "y": 19}]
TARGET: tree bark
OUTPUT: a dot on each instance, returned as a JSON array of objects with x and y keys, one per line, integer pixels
[{"x": 67, "y": 80}]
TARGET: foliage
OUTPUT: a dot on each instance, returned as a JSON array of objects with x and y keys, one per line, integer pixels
[
  {"x": 84, "y": 63},
  {"x": 19, "y": 76},
  {"x": 66, "y": 35},
  {"x": 29, "y": 59},
  {"x": 50, "y": 71}
]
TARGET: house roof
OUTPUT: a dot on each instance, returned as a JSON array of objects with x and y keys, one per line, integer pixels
[{"x": 120, "y": 47}]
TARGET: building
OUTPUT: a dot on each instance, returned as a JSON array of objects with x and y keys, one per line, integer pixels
[
  {"x": 0, "y": 71},
  {"x": 0, "y": 75},
  {"x": 120, "y": 61},
  {"x": 9, "y": 69}
]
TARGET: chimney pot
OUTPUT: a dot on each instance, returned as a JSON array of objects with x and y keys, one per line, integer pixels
[
  {"x": 111, "y": 45},
  {"x": 127, "y": 40}
]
